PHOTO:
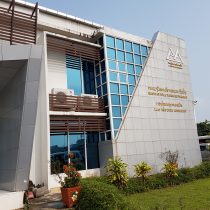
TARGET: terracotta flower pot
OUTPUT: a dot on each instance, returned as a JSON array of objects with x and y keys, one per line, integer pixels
[{"x": 70, "y": 195}]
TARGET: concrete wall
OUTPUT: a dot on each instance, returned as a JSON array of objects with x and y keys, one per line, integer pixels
[
  {"x": 11, "y": 107},
  {"x": 20, "y": 97},
  {"x": 148, "y": 130}
]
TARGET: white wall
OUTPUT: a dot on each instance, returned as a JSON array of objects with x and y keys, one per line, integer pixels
[{"x": 146, "y": 133}]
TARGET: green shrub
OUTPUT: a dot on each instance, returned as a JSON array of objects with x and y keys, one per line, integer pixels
[
  {"x": 117, "y": 172},
  {"x": 202, "y": 170},
  {"x": 142, "y": 170},
  {"x": 97, "y": 195}
]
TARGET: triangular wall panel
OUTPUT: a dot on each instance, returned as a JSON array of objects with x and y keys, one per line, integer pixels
[{"x": 160, "y": 116}]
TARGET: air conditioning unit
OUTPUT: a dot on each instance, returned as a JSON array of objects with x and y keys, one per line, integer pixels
[
  {"x": 89, "y": 95},
  {"x": 67, "y": 92}
]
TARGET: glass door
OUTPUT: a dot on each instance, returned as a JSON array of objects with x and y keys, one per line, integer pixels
[{"x": 77, "y": 150}]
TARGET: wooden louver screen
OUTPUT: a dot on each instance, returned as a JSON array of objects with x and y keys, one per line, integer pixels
[
  {"x": 18, "y": 27},
  {"x": 76, "y": 124},
  {"x": 73, "y": 48}
]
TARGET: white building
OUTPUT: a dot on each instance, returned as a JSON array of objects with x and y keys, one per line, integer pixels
[{"x": 70, "y": 85}]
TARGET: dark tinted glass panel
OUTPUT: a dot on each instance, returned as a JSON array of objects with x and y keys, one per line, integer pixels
[
  {"x": 99, "y": 91},
  {"x": 120, "y": 44},
  {"x": 110, "y": 41},
  {"x": 104, "y": 89},
  {"x": 103, "y": 76},
  {"x": 103, "y": 67},
  {"x": 77, "y": 150},
  {"x": 97, "y": 70},
  {"x": 102, "y": 136},
  {"x": 92, "y": 139},
  {"x": 98, "y": 80},
  {"x": 58, "y": 151}
]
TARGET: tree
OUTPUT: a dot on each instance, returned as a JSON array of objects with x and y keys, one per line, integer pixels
[{"x": 203, "y": 128}]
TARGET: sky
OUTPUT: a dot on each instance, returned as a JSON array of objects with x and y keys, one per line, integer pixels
[{"x": 188, "y": 19}]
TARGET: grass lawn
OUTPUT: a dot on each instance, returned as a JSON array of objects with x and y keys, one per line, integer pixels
[{"x": 193, "y": 195}]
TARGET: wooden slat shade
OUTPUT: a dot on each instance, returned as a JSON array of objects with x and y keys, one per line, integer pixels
[
  {"x": 76, "y": 124},
  {"x": 18, "y": 27},
  {"x": 73, "y": 48},
  {"x": 76, "y": 103}
]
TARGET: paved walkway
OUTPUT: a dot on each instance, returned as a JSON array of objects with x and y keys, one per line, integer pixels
[{"x": 49, "y": 201}]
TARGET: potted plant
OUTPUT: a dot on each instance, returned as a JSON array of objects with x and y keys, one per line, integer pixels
[{"x": 70, "y": 186}]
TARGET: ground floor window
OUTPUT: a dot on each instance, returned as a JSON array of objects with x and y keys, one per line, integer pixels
[{"x": 82, "y": 147}]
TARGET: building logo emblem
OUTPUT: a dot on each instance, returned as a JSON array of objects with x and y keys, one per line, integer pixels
[{"x": 174, "y": 59}]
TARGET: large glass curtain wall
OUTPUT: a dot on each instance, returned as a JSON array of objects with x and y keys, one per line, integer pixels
[
  {"x": 80, "y": 75},
  {"x": 82, "y": 147},
  {"x": 125, "y": 62}
]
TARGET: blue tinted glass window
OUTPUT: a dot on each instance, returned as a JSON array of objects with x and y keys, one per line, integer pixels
[
  {"x": 125, "y": 100},
  {"x": 116, "y": 111},
  {"x": 121, "y": 66},
  {"x": 117, "y": 122},
  {"x": 143, "y": 50},
  {"x": 74, "y": 80},
  {"x": 99, "y": 91},
  {"x": 104, "y": 89},
  {"x": 115, "y": 132},
  {"x": 114, "y": 88},
  {"x": 123, "y": 78},
  {"x": 115, "y": 99},
  {"x": 138, "y": 70},
  {"x": 124, "y": 109},
  {"x": 120, "y": 55},
  {"x": 130, "y": 68},
  {"x": 98, "y": 80},
  {"x": 129, "y": 57},
  {"x": 112, "y": 65},
  {"x": 113, "y": 76},
  {"x": 131, "y": 79},
  {"x": 131, "y": 89},
  {"x": 143, "y": 60},
  {"x": 120, "y": 44},
  {"x": 103, "y": 76},
  {"x": 111, "y": 53},
  {"x": 137, "y": 59},
  {"x": 128, "y": 46},
  {"x": 136, "y": 48},
  {"x": 110, "y": 41},
  {"x": 124, "y": 89}
]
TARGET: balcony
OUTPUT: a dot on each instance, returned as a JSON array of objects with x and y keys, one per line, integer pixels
[{"x": 65, "y": 103}]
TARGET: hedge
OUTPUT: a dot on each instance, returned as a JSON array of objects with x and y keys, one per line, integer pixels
[
  {"x": 99, "y": 194},
  {"x": 96, "y": 194}
]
